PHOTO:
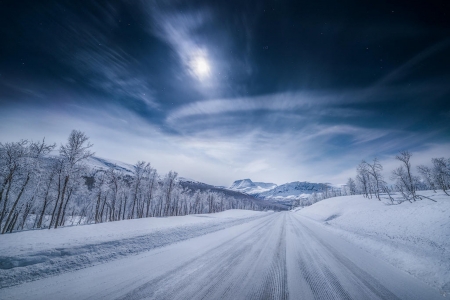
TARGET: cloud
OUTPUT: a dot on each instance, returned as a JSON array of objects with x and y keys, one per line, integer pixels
[
  {"x": 80, "y": 52},
  {"x": 114, "y": 72},
  {"x": 179, "y": 30},
  {"x": 406, "y": 67},
  {"x": 255, "y": 166},
  {"x": 359, "y": 134},
  {"x": 258, "y": 113},
  {"x": 273, "y": 102}
]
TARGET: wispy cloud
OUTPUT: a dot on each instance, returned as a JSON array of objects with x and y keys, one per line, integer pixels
[
  {"x": 179, "y": 28},
  {"x": 181, "y": 31},
  {"x": 273, "y": 102},
  {"x": 115, "y": 73},
  {"x": 255, "y": 166},
  {"x": 406, "y": 67}
]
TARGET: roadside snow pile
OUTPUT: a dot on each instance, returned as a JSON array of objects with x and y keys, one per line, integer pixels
[
  {"x": 414, "y": 237},
  {"x": 30, "y": 255}
]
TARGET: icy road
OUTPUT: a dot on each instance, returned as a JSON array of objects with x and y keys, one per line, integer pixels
[{"x": 276, "y": 256}]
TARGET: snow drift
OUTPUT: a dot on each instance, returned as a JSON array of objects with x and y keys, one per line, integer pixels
[{"x": 414, "y": 237}]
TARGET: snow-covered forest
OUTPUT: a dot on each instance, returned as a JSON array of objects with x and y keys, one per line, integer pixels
[{"x": 40, "y": 189}]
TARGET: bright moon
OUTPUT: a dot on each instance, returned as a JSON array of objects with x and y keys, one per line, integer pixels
[{"x": 200, "y": 67}]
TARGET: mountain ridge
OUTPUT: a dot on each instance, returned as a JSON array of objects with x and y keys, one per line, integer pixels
[{"x": 284, "y": 193}]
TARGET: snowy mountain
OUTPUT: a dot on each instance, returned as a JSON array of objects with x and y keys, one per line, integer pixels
[
  {"x": 250, "y": 187},
  {"x": 98, "y": 163},
  {"x": 292, "y": 190},
  {"x": 282, "y": 194},
  {"x": 279, "y": 195}
]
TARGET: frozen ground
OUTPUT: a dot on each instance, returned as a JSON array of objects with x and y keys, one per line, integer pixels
[{"x": 230, "y": 255}]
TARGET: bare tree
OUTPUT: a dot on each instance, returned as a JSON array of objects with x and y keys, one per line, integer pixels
[
  {"x": 114, "y": 178},
  {"x": 351, "y": 185},
  {"x": 99, "y": 189},
  {"x": 406, "y": 182},
  {"x": 72, "y": 154},
  {"x": 427, "y": 175},
  {"x": 404, "y": 177},
  {"x": 374, "y": 171},
  {"x": 169, "y": 184},
  {"x": 363, "y": 179},
  {"x": 29, "y": 170},
  {"x": 139, "y": 173},
  {"x": 11, "y": 159},
  {"x": 441, "y": 173},
  {"x": 152, "y": 180}
]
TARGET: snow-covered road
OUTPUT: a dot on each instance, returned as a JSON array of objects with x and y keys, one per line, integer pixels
[{"x": 277, "y": 256}]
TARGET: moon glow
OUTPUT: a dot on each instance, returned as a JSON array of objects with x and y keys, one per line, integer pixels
[{"x": 200, "y": 67}]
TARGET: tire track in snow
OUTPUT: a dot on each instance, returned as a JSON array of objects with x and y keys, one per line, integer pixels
[
  {"x": 237, "y": 269},
  {"x": 323, "y": 282},
  {"x": 279, "y": 256},
  {"x": 275, "y": 283},
  {"x": 212, "y": 268},
  {"x": 19, "y": 269}
]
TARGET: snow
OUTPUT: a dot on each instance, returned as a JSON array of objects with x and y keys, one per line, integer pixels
[
  {"x": 32, "y": 254},
  {"x": 98, "y": 163},
  {"x": 414, "y": 237},
  {"x": 188, "y": 180},
  {"x": 292, "y": 190},
  {"x": 250, "y": 187},
  {"x": 270, "y": 191},
  {"x": 339, "y": 248},
  {"x": 267, "y": 256}
]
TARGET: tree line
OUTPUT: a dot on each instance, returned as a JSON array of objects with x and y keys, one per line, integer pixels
[
  {"x": 407, "y": 181},
  {"x": 42, "y": 190}
]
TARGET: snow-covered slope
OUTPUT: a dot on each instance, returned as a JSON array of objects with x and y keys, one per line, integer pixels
[
  {"x": 103, "y": 164},
  {"x": 414, "y": 237},
  {"x": 250, "y": 187},
  {"x": 292, "y": 190},
  {"x": 282, "y": 194}
]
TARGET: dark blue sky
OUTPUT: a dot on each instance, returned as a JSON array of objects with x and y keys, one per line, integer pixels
[{"x": 221, "y": 90}]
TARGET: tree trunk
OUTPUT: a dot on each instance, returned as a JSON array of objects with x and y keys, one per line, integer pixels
[
  {"x": 25, "y": 214},
  {"x": 17, "y": 201},
  {"x": 119, "y": 214},
  {"x": 66, "y": 180},
  {"x": 124, "y": 208},
  {"x": 10, "y": 227},
  {"x": 97, "y": 207},
  {"x": 65, "y": 206},
  {"x": 3, "y": 213},
  {"x": 56, "y": 202},
  {"x": 39, "y": 224},
  {"x": 101, "y": 212}
]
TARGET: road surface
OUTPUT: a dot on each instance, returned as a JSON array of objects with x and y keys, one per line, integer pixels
[{"x": 278, "y": 256}]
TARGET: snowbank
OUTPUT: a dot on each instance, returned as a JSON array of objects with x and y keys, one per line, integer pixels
[
  {"x": 414, "y": 237},
  {"x": 29, "y": 255}
]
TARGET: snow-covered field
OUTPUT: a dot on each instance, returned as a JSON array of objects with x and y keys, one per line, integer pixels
[{"x": 414, "y": 237}]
